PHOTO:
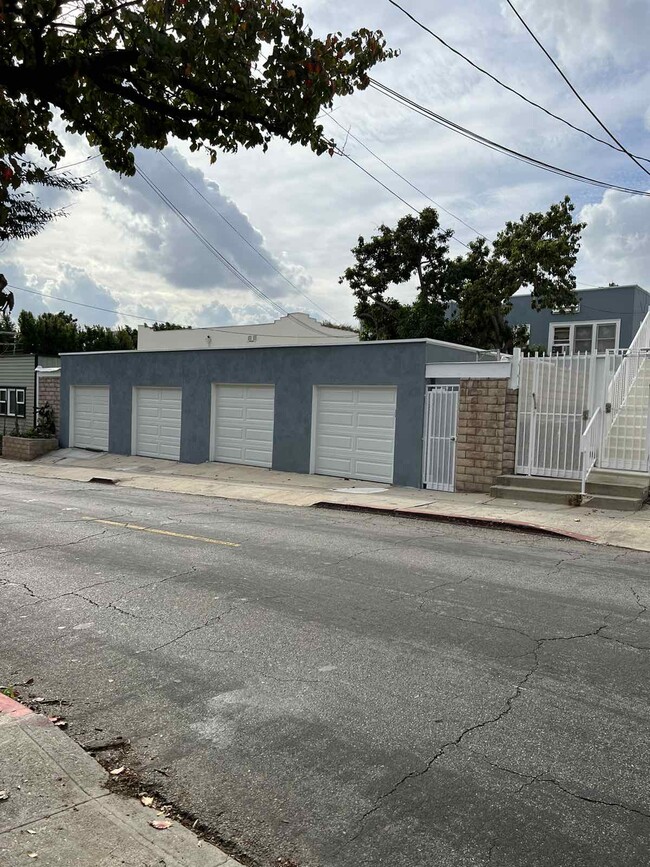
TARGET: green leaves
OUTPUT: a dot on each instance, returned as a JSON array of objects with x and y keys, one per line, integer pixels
[
  {"x": 466, "y": 299},
  {"x": 217, "y": 74}
]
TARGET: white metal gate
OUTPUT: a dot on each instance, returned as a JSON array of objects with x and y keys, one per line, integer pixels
[
  {"x": 440, "y": 424},
  {"x": 556, "y": 400}
]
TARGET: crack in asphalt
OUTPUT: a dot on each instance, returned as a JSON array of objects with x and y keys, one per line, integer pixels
[
  {"x": 506, "y": 709},
  {"x": 4, "y": 582},
  {"x": 532, "y": 779},
  {"x": 211, "y": 621},
  {"x": 59, "y": 544}
]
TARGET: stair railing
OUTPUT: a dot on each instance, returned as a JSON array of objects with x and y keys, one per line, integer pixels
[
  {"x": 622, "y": 381},
  {"x": 590, "y": 446}
]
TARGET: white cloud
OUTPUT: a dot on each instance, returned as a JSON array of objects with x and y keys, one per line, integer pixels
[
  {"x": 304, "y": 213},
  {"x": 616, "y": 242}
]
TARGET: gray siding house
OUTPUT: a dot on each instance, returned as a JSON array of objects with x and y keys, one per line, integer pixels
[
  {"x": 353, "y": 410},
  {"x": 18, "y": 389},
  {"x": 606, "y": 317}
]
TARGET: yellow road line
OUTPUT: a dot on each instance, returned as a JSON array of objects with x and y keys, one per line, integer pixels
[{"x": 128, "y": 526}]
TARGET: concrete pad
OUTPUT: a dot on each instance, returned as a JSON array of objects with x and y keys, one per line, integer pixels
[{"x": 59, "y": 812}]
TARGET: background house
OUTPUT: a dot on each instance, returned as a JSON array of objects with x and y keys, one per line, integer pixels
[
  {"x": 294, "y": 329},
  {"x": 18, "y": 388},
  {"x": 605, "y": 317}
]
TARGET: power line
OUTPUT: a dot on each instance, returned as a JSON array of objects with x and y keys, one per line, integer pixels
[
  {"x": 81, "y": 303},
  {"x": 146, "y": 318},
  {"x": 575, "y": 92},
  {"x": 219, "y": 255},
  {"x": 392, "y": 192},
  {"x": 245, "y": 239},
  {"x": 406, "y": 180},
  {"x": 507, "y": 87},
  {"x": 496, "y": 146}
]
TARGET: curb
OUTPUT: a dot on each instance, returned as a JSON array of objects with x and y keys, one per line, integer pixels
[
  {"x": 467, "y": 520},
  {"x": 12, "y": 708}
]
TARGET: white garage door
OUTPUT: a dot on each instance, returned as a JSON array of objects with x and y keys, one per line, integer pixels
[
  {"x": 89, "y": 417},
  {"x": 242, "y": 424},
  {"x": 158, "y": 423},
  {"x": 355, "y": 433}
]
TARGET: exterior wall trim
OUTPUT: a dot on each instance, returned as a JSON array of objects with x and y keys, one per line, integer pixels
[{"x": 469, "y": 370}]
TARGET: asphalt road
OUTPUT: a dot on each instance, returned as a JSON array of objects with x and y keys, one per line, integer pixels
[{"x": 341, "y": 689}]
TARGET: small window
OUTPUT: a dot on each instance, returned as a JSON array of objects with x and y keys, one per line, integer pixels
[
  {"x": 606, "y": 337},
  {"x": 12, "y": 402},
  {"x": 582, "y": 339},
  {"x": 561, "y": 340}
]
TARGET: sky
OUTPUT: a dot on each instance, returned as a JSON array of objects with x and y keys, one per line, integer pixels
[{"x": 288, "y": 219}]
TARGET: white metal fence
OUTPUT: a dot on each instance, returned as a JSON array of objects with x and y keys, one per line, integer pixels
[
  {"x": 556, "y": 400},
  {"x": 440, "y": 425}
]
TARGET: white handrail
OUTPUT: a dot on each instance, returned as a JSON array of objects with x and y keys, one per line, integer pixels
[
  {"x": 632, "y": 362},
  {"x": 590, "y": 446}
]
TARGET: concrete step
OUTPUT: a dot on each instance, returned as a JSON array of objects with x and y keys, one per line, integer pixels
[
  {"x": 567, "y": 498},
  {"x": 626, "y": 488}
]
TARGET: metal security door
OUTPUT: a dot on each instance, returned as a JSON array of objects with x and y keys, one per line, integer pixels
[
  {"x": 556, "y": 400},
  {"x": 440, "y": 424}
]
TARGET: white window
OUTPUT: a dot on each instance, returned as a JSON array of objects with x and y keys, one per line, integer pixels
[
  {"x": 578, "y": 338},
  {"x": 12, "y": 402}
]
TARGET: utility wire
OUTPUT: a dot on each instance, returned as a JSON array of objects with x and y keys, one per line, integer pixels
[
  {"x": 406, "y": 180},
  {"x": 80, "y": 303},
  {"x": 219, "y": 255},
  {"x": 507, "y": 87},
  {"x": 143, "y": 318},
  {"x": 245, "y": 239},
  {"x": 496, "y": 146},
  {"x": 392, "y": 192},
  {"x": 575, "y": 92}
]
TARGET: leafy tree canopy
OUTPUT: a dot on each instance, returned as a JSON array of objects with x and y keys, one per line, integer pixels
[
  {"x": 465, "y": 299},
  {"x": 54, "y": 333},
  {"x": 218, "y": 74}
]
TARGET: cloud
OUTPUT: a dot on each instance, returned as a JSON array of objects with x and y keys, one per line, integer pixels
[
  {"x": 616, "y": 242},
  {"x": 303, "y": 213},
  {"x": 72, "y": 284}
]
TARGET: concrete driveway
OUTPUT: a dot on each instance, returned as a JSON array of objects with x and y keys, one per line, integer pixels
[{"x": 335, "y": 689}]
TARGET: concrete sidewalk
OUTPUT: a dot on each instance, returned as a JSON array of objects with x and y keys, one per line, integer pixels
[
  {"x": 56, "y": 809},
  {"x": 229, "y": 481}
]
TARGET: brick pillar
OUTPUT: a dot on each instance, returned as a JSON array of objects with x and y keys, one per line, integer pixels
[
  {"x": 49, "y": 391},
  {"x": 487, "y": 423}
]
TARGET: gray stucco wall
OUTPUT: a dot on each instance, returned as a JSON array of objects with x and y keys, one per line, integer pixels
[
  {"x": 294, "y": 371},
  {"x": 437, "y": 352},
  {"x": 627, "y": 303}
]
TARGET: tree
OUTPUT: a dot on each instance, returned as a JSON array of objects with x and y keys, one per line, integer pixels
[
  {"x": 21, "y": 215},
  {"x": 54, "y": 333},
  {"x": 218, "y": 74},
  {"x": 169, "y": 326},
  {"x": 466, "y": 299},
  {"x": 417, "y": 248},
  {"x": 49, "y": 333}
]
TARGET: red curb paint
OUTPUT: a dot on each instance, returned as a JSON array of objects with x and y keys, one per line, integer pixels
[
  {"x": 441, "y": 517},
  {"x": 11, "y": 708}
]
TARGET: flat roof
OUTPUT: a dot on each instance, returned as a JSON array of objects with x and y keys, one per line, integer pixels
[
  {"x": 252, "y": 346},
  {"x": 524, "y": 292}
]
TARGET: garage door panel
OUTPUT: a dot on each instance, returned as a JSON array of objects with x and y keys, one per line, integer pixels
[
  {"x": 355, "y": 432},
  {"x": 158, "y": 414},
  {"x": 90, "y": 417},
  {"x": 242, "y": 424}
]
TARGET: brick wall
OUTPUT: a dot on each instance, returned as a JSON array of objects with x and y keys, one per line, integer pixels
[
  {"x": 487, "y": 424},
  {"x": 27, "y": 449},
  {"x": 49, "y": 391}
]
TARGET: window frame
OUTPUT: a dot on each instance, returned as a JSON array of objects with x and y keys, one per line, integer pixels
[
  {"x": 594, "y": 335},
  {"x": 20, "y": 407}
]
